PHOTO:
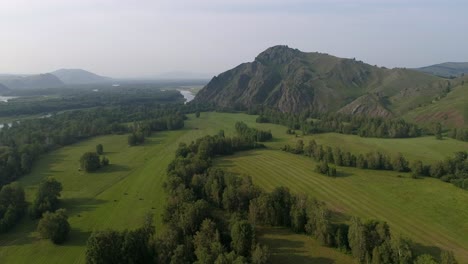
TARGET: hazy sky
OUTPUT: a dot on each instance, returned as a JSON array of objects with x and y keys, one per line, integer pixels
[{"x": 142, "y": 38}]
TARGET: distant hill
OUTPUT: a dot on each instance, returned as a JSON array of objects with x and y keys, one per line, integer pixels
[
  {"x": 3, "y": 89},
  {"x": 38, "y": 81},
  {"x": 450, "y": 108},
  {"x": 447, "y": 69},
  {"x": 294, "y": 81},
  {"x": 78, "y": 76}
]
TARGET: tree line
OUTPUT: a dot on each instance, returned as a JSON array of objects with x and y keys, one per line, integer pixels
[
  {"x": 453, "y": 169},
  {"x": 459, "y": 134},
  {"x": 252, "y": 134},
  {"x": 339, "y": 123}
]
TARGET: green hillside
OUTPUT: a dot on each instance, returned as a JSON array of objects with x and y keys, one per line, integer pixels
[{"x": 451, "y": 110}]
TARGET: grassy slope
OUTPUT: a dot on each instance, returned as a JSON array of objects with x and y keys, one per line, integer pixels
[
  {"x": 452, "y": 110},
  {"x": 138, "y": 171},
  {"x": 427, "y": 149},
  {"x": 429, "y": 211}
]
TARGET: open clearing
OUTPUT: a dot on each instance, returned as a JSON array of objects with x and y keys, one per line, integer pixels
[{"x": 120, "y": 195}]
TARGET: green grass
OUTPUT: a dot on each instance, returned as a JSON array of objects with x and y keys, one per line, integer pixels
[
  {"x": 451, "y": 111},
  {"x": 430, "y": 212},
  {"x": 427, "y": 149},
  {"x": 288, "y": 247},
  {"x": 97, "y": 201}
]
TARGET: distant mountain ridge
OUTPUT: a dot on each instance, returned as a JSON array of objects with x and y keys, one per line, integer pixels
[
  {"x": 37, "y": 81},
  {"x": 447, "y": 69},
  {"x": 79, "y": 76},
  {"x": 294, "y": 81},
  {"x": 58, "y": 78}
]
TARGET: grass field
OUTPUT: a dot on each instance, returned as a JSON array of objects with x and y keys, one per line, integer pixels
[
  {"x": 430, "y": 212},
  {"x": 289, "y": 247},
  {"x": 97, "y": 201},
  {"x": 427, "y": 149}
]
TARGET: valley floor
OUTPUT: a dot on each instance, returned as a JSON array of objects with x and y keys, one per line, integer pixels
[{"x": 431, "y": 212}]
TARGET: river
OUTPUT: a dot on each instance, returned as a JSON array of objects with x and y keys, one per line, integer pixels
[
  {"x": 6, "y": 98},
  {"x": 188, "y": 95}
]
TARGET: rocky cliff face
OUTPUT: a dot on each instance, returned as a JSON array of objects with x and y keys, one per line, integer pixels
[{"x": 295, "y": 81}]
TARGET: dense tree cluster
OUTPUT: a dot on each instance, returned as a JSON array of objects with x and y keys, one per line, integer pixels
[
  {"x": 196, "y": 194},
  {"x": 454, "y": 170},
  {"x": 121, "y": 247},
  {"x": 340, "y": 123},
  {"x": 23, "y": 142},
  {"x": 12, "y": 205},
  {"x": 54, "y": 226},
  {"x": 47, "y": 197},
  {"x": 80, "y": 98},
  {"x": 252, "y": 134},
  {"x": 459, "y": 134},
  {"x": 197, "y": 232}
]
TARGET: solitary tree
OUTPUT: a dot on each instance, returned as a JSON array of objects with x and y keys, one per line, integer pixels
[
  {"x": 54, "y": 226},
  {"x": 99, "y": 149},
  {"x": 438, "y": 131},
  {"x": 90, "y": 162}
]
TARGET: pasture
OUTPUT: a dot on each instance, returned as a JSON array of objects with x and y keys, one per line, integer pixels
[
  {"x": 430, "y": 212},
  {"x": 120, "y": 195}
]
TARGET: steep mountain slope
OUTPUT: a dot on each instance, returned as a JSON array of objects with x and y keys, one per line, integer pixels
[
  {"x": 295, "y": 81},
  {"x": 447, "y": 69},
  {"x": 78, "y": 76},
  {"x": 451, "y": 109},
  {"x": 38, "y": 81}
]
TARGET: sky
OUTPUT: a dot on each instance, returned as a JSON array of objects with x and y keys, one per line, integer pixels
[{"x": 143, "y": 38}]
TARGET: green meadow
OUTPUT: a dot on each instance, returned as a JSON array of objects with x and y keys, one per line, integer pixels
[{"x": 429, "y": 211}]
